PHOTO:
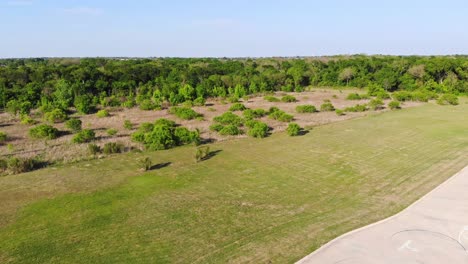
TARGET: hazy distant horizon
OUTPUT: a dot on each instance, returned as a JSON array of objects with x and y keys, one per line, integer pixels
[{"x": 240, "y": 29}]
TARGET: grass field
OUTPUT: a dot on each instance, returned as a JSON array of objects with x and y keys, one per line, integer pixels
[{"x": 275, "y": 199}]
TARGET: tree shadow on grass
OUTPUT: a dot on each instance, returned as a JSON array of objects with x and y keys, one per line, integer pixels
[
  {"x": 303, "y": 132},
  {"x": 160, "y": 166},
  {"x": 212, "y": 154}
]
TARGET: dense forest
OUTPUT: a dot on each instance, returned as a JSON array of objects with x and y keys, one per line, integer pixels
[{"x": 26, "y": 84}]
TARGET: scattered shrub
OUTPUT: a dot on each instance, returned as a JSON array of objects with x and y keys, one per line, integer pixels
[
  {"x": 148, "y": 105},
  {"x": 353, "y": 96},
  {"x": 111, "y": 132},
  {"x": 164, "y": 134},
  {"x": 393, "y": 105},
  {"x": 271, "y": 99},
  {"x": 216, "y": 127},
  {"x": 27, "y": 120},
  {"x": 257, "y": 129},
  {"x": 184, "y": 113},
  {"x": 44, "y": 132},
  {"x": 327, "y": 107},
  {"x": 200, "y": 101},
  {"x": 306, "y": 109},
  {"x": 293, "y": 129},
  {"x": 74, "y": 124},
  {"x": 254, "y": 113},
  {"x": 288, "y": 99},
  {"x": 356, "y": 108},
  {"x": 376, "y": 104},
  {"x": 112, "y": 148},
  {"x": 402, "y": 96},
  {"x": 55, "y": 116},
  {"x": 382, "y": 95},
  {"x": 230, "y": 130},
  {"x": 202, "y": 153},
  {"x": 84, "y": 104},
  {"x": 237, "y": 107},
  {"x": 128, "y": 125},
  {"x": 448, "y": 99},
  {"x": 339, "y": 112},
  {"x": 229, "y": 118},
  {"x": 85, "y": 135},
  {"x": 280, "y": 115},
  {"x": 102, "y": 113},
  {"x": 3, "y": 136},
  {"x": 20, "y": 165},
  {"x": 94, "y": 149}
]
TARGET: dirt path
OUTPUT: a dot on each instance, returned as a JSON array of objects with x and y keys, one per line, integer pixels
[{"x": 433, "y": 230}]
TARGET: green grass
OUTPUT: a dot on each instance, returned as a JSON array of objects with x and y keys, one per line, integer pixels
[{"x": 275, "y": 199}]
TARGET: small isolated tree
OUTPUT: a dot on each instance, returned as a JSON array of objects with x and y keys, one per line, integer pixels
[
  {"x": 202, "y": 153},
  {"x": 293, "y": 129},
  {"x": 346, "y": 75},
  {"x": 74, "y": 125},
  {"x": 146, "y": 164}
]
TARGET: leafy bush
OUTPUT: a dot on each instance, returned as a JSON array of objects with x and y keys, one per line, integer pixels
[
  {"x": 229, "y": 118},
  {"x": 148, "y": 105},
  {"x": 402, "y": 96},
  {"x": 376, "y": 104},
  {"x": 184, "y": 113},
  {"x": 293, "y": 129},
  {"x": 257, "y": 129},
  {"x": 20, "y": 165},
  {"x": 85, "y": 135},
  {"x": 306, "y": 109},
  {"x": 393, "y": 105},
  {"x": 102, "y": 113},
  {"x": 280, "y": 115},
  {"x": 128, "y": 125},
  {"x": 84, "y": 104},
  {"x": 200, "y": 101},
  {"x": 353, "y": 96},
  {"x": 288, "y": 99},
  {"x": 55, "y": 116},
  {"x": 74, "y": 124},
  {"x": 27, "y": 120},
  {"x": 233, "y": 99},
  {"x": 271, "y": 99},
  {"x": 327, "y": 107},
  {"x": 44, "y": 131},
  {"x": 356, "y": 108},
  {"x": 423, "y": 96},
  {"x": 164, "y": 134},
  {"x": 202, "y": 153},
  {"x": 112, "y": 148},
  {"x": 448, "y": 99},
  {"x": 237, "y": 107},
  {"x": 382, "y": 95},
  {"x": 3, "y": 136},
  {"x": 216, "y": 127},
  {"x": 339, "y": 112},
  {"x": 94, "y": 149},
  {"x": 254, "y": 113},
  {"x": 111, "y": 132},
  {"x": 230, "y": 130}
]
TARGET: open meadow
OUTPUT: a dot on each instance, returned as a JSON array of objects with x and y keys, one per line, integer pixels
[{"x": 271, "y": 200}]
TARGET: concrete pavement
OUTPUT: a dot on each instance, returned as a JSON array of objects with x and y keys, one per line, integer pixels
[{"x": 433, "y": 230}]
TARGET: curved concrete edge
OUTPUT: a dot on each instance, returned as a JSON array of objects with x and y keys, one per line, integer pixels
[{"x": 328, "y": 244}]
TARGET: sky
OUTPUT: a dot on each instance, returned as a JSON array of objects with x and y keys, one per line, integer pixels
[{"x": 231, "y": 28}]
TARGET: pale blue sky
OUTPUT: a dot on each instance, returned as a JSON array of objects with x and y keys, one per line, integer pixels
[{"x": 237, "y": 28}]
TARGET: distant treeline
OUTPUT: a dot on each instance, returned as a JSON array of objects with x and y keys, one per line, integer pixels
[{"x": 85, "y": 83}]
